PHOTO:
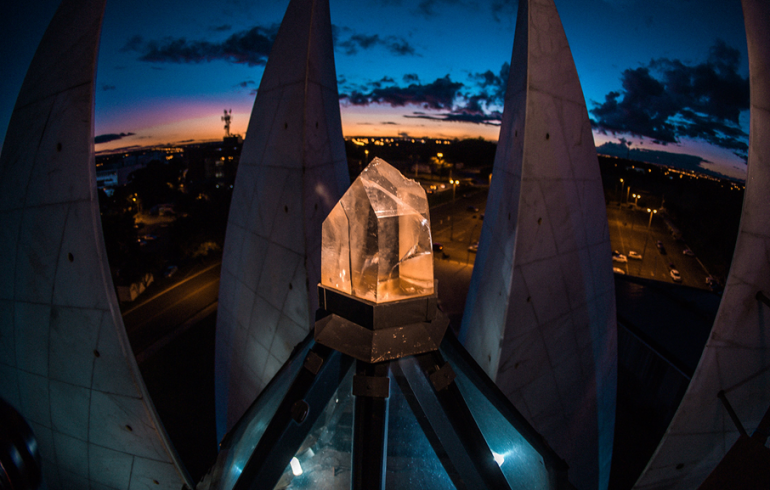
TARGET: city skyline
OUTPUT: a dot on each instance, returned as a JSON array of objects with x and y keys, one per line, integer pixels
[{"x": 435, "y": 69}]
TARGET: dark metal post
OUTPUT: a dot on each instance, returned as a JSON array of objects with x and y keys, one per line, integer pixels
[
  {"x": 371, "y": 387},
  {"x": 721, "y": 395}
]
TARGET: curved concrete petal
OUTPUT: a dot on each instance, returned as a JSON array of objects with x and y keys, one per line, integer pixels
[
  {"x": 292, "y": 171},
  {"x": 65, "y": 360},
  {"x": 540, "y": 314},
  {"x": 736, "y": 358}
]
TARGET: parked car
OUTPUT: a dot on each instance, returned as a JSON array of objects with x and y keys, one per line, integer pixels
[
  {"x": 675, "y": 275},
  {"x": 473, "y": 247},
  {"x": 618, "y": 270},
  {"x": 671, "y": 266},
  {"x": 473, "y": 209},
  {"x": 170, "y": 271},
  {"x": 688, "y": 252},
  {"x": 437, "y": 247},
  {"x": 634, "y": 255},
  {"x": 619, "y": 257},
  {"x": 661, "y": 248}
]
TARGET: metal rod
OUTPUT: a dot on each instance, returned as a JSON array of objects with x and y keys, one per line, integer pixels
[
  {"x": 308, "y": 394},
  {"x": 721, "y": 395},
  {"x": 371, "y": 387}
]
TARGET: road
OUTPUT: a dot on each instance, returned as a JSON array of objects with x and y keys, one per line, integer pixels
[
  {"x": 628, "y": 231},
  {"x": 158, "y": 315}
]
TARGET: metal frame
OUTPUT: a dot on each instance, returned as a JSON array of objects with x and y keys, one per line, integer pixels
[{"x": 291, "y": 424}]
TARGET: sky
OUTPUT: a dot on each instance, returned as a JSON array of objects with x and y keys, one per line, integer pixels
[{"x": 658, "y": 75}]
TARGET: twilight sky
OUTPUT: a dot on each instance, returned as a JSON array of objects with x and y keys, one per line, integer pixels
[{"x": 652, "y": 71}]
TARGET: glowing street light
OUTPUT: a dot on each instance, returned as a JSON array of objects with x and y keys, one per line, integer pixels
[{"x": 646, "y": 238}]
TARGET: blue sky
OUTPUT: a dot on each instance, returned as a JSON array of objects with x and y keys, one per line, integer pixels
[{"x": 168, "y": 68}]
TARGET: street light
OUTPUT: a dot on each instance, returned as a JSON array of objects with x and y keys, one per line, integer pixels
[
  {"x": 644, "y": 251},
  {"x": 454, "y": 187},
  {"x": 636, "y": 198},
  {"x": 622, "y": 186}
]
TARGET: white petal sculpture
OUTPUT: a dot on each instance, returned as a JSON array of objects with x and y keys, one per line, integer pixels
[
  {"x": 736, "y": 358},
  {"x": 540, "y": 314},
  {"x": 292, "y": 171},
  {"x": 65, "y": 360}
]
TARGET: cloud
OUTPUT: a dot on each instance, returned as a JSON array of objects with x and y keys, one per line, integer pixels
[
  {"x": 247, "y": 84},
  {"x": 442, "y": 95},
  {"x": 411, "y": 78},
  {"x": 389, "y": 123},
  {"x": 439, "y": 94},
  {"x": 104, "y": 138},
  {"x": 668, "y": 100},
  {"x": 504, "y": 9},
  {"x": 250, "y": 47},
  {"x": 354, "y": 43},
  {"x": 222, "y": 28},
  {"x": 429, "y": 8},
  {"x": 106, "y": 87}
]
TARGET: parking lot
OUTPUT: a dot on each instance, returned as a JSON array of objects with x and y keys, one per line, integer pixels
[{"x": 629, "y": 231}]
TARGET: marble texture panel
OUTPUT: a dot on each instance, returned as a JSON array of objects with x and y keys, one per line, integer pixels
[
  {"x": 292, "y": 171},
  {"x": 540, "y": 315},
  {"x": 61, "y": 321},
  {"x": 736, "y": 358}
]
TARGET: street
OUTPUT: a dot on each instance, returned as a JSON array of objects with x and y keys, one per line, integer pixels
[
  {"x": 629, "y": 231},
  {"x": 159, "y": 314}
]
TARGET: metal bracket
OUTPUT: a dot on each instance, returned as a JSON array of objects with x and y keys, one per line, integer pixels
[
  {"x": 371, "y": 386},
  {"x": 313, "y": 362},
  {"x": 299, "y": 411},
  {"x": 443, "y": 377},
  {"x": 762, "y": 297}
]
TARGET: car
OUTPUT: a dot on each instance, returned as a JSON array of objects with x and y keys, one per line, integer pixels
[
  {"x": 473, "y": 247},
  {"x": 661, "y": 248},
  {"x": 675, "y": 275},
  {"x": 481, "y": 216},
  {"x": 170, "y": 271},
  {"x": 634, "y": 255},
  {"x": 473, "y": 209},
  {"x": 671, "y": 266},
  {"x": 437, "y": 247},
  {"x": 688, "y": 252},
  {"x": 619, "y": 258},
  {"x": 618, "y": 270}
]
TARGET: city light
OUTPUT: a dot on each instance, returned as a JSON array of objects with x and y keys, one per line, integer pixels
[
  {"x": 499, "y": 458},
  {"x": 296, "y": 468}
]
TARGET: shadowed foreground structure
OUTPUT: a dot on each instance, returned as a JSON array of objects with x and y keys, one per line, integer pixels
[
  {"x": 65, "y": 360},
  {"x": 540, "y": 314}
]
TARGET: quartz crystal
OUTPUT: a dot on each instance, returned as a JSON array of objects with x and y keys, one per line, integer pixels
[{"x": 376, "y": 242}]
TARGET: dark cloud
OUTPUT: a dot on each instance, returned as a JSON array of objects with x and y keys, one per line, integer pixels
[
  {"x": 222, "y": 28},
  {"x": 438, "y": 95},
  {"x": 443, "y": 95},
  {"x": 104, "y": 138},
  {"x": 504, "y": 9},
  {"x": 354, "y": 43},
  {"x": 668, "y": 100},
  {"x": 250, "y": 47},
  {"x": 389, "y": 123},
  {"x": 429, "y": 8},
  {"x": 246, "y": 84},
  {"x": 491, "y": 86},
  {"x": 411, "y": 78},
  {"x": 106, "y": 87}
]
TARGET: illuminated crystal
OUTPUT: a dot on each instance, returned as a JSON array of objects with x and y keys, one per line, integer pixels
[{"x": 376, "y": 242}]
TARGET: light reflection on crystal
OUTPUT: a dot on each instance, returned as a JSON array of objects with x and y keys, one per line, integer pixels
[{"x": 376, "y": 242}]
